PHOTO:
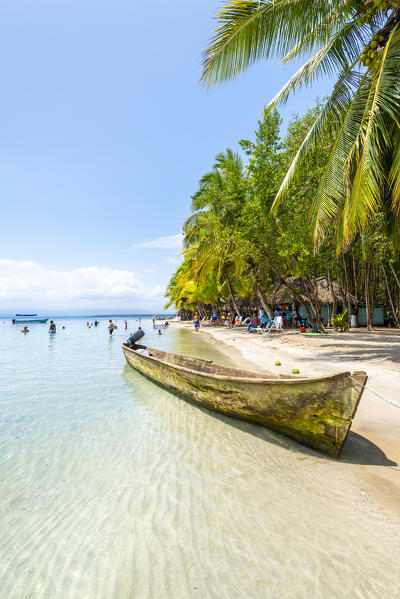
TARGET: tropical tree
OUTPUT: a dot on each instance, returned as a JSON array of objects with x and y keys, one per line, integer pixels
[
  {"x": 216, "y": 205},
  {"x": 358, "y": 43},
  {"x": 239, "y": 255}
]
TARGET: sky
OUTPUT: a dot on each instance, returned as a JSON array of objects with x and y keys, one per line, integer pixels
[{"x": 105, "y": 132}]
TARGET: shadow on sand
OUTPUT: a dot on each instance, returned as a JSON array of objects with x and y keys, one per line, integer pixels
[{"x": 356, "y": 449}]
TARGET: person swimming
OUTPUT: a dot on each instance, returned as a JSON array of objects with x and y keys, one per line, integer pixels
[
  {"x": 159, "y": 332},
  {"x": 25, "y": 330}
]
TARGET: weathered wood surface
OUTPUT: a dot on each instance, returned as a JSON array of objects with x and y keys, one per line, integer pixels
[{"x": 314, "y": 411}]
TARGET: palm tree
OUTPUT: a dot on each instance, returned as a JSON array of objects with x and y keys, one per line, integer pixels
[
  {"x": 208, "y": 274},
  {"x": 357, "y": 42},
  {"x": 210, "y": 228}
]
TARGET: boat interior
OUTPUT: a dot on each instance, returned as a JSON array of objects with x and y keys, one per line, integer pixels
[{"x": 206, "y": 366}]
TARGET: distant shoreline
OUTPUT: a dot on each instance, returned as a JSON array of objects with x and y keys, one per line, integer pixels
[{"x": 110, "y": 315}]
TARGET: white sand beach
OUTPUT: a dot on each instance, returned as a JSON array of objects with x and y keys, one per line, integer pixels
[{"x": 372, "y": 450}]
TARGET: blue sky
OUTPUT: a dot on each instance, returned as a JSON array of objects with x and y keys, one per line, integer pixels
[{"x": 105, "y": 132}]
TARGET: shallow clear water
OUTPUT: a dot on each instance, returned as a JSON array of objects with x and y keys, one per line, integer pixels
[{"x": 112, "y": 487}]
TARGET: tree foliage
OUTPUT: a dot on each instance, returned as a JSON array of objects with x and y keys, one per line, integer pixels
[
  {"x": 238, "y": 252},
  {"x": 358, "y": 43}
]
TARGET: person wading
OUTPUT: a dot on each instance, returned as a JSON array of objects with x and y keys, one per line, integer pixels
[{"x": 111, "y": 326}]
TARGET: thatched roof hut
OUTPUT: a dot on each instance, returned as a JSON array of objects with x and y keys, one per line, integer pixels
[{"x": 326, "y": 292}]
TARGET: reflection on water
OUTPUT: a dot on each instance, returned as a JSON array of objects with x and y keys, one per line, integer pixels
[{"x": 112, "y": 487}]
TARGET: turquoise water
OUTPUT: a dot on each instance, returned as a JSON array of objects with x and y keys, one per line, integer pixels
[{"x": 112, "y": 487}]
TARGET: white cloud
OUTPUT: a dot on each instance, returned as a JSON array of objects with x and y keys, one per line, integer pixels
[
  {"x": 170, "y": 242},
  {"x": 30, "y": 283}
]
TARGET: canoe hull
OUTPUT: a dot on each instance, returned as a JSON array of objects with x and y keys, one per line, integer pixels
[
  {"x": 315, "y": 412},
  {"x": 29, "y": 321}
]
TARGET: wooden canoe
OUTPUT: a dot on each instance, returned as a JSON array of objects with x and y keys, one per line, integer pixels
[{"x": 314, "y": 411}]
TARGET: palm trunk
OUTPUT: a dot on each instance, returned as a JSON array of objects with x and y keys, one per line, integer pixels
[
  {"x": 334, "y": 300},
  {"x": 394, "y": 273},
  {"x": 368, "y": 300},
  {"x": 390, "y": 297},
  {"x": 355, "y": 280},
  {"x": 314, "y": 301},
  {"x": 235, "y": 306},
  {"x": 347, "y": 289},
  {"x": 293, "y": 319},
  {"x": 267, "y": 307}
]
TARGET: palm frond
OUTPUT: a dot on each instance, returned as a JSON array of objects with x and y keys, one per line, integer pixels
[
  {"x": 331, "y": 118},
  {"x": 336, "y": 56},
  {"x": 250, "y": 30}
]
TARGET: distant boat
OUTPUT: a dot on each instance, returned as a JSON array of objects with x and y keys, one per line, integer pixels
[
  {"x": 314, "y": 411},
  {"x": 26, "y": 315},
  {"x": 28, "y": 320},
  {"x": 160, "y": 324}
]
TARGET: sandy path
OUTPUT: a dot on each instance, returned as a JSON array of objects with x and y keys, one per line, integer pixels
[{"x": 372, "y": 450}]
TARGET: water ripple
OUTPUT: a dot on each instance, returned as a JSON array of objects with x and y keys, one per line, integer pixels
[{"x": 111, "y": 487}]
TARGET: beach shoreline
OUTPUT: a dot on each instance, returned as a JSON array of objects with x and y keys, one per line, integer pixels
[{"x": 372, "y": 450}]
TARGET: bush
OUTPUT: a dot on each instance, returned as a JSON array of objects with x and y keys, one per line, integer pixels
[{"x": 341, "y": 322}]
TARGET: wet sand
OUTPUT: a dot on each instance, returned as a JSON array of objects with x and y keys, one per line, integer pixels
[{"x": 372, "y": 450}]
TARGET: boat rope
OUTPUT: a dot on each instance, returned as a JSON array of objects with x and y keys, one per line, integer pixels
[{"x": 375, "y": 393}]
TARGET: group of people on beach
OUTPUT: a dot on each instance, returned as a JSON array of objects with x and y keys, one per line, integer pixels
[{"x": 257, "y": 319}]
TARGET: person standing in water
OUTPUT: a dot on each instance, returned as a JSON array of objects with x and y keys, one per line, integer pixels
[
  {"x": 111, "y": 326},
  {"x": 196, "y": 322},
  {"x": 126, "y": 324},
  {"x": 52, "y": 327}
]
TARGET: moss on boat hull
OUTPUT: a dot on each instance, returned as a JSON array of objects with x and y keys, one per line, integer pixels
[{"x": 316, "y": 412}]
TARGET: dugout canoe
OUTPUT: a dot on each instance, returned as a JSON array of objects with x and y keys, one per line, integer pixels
[{"x": 314, "y": 411}]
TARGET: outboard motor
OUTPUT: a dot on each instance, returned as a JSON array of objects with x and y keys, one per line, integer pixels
[{"x": 134, "y": 338}]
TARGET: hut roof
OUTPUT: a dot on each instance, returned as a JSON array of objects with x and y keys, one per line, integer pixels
[{"x": 325, "y": 291}]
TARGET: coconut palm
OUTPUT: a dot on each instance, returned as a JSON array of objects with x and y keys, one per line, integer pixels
[
  {"x": 358, "y": 43},
  {"x": 208, "y": 232},
  {"x": 209, "y": 274}
]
